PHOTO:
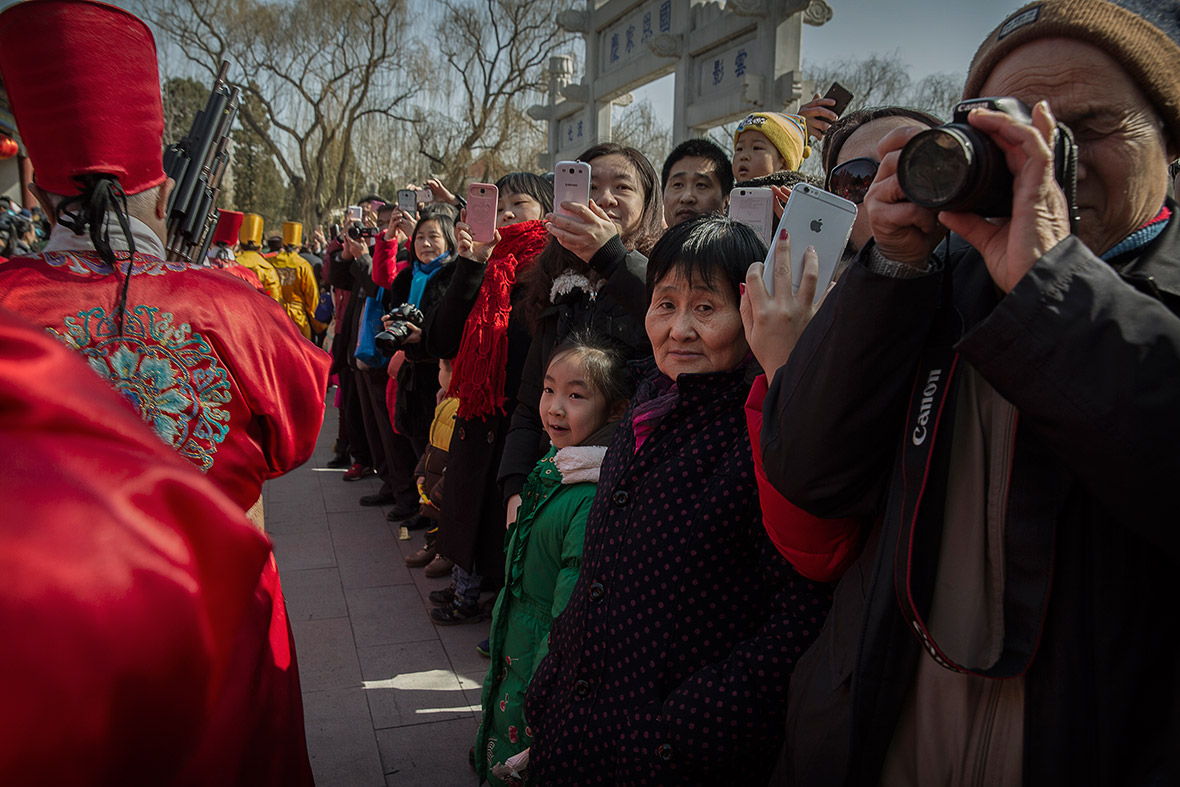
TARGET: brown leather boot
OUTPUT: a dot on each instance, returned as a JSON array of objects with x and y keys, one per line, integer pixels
[
  {"x": 422, "y": 557},
  {"x": 439, "y": 567}
]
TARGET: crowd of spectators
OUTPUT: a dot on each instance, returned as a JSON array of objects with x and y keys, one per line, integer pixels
[{"x": 913, "y": 531}]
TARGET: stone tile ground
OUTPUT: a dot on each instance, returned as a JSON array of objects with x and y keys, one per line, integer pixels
[{"x": 389, "y": 698}]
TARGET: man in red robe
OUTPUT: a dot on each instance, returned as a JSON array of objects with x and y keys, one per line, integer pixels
[
  {"x": 143, "y": 624},
  {"x": 221, "y": 252},
  {"x": 221, "y": 375}
]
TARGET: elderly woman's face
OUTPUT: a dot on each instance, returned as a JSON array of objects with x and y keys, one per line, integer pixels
[
  {"x": 1121, "y": 149},
  {"x": 694, "y": 329}
]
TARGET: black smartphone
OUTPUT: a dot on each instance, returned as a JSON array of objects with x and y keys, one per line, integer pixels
[{"x": 842, "y": 96}]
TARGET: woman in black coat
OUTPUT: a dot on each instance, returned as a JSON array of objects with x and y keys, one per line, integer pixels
[
  {"x": 422, "y": 284},
  {"x": 480, "y": 322},
  {"x": 590, "y": 277},
  {"x": 672, "y": 661}
]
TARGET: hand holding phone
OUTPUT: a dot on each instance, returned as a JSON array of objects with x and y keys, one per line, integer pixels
[
  {"x": 571, "y": 183},
  {"x": 481, "y": 211},
  {"x": 813, "y": 217},
  {"x": 774, "y": 323},
  {"x": 407, "y": 200},
  {"x": 355, "y": 213},
  {"x": 841, "y": 95}
]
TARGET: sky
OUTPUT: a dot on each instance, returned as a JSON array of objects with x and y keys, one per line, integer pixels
[{"x": 931, "y": 36}]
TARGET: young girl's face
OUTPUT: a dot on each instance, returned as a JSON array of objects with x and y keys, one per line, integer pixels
[
  {"x": 513, "y": 207},
  {"x": 429, "y": 241},
  {"x": 571, "y": 408},
  {"x": 755, "y": 156}
]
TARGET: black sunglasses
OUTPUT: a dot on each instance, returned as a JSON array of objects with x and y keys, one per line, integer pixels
[{"x": 851, "y": 180}]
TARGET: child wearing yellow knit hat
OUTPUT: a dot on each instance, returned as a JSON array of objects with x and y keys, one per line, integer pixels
[{"x": 767, "y": 142}]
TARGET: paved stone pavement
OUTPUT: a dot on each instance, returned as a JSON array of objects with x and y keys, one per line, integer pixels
[{"x": 389, "y": 698}]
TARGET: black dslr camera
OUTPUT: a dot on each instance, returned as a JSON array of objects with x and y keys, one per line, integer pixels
[
  {"x": 956, "y": 167},
  {"x": 358, "y": 231},
  {"x": 393, "y": 337}
]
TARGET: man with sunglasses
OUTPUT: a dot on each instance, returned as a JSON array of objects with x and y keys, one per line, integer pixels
[{"x": 1012, "y": 618}]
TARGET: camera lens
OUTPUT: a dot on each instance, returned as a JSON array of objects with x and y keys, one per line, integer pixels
[
  {"x": 937, "y": 168},
  {"x": 956, "y": 168}
]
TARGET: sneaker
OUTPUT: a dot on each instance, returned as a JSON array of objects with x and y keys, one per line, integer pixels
[
  {"x": 485, "y": 648},
  {"x": 377, "y": 499},
  {"x": 338, "y": 461},
  {"x": 357, "y": 472},
  {"x": 441, "y": 598},
  {"x": 439, "y": 567},
  {"x": 422, "y": 556},
  {"x": 456, "y": 614}
]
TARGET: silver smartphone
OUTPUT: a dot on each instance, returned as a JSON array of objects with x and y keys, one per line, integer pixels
[
  {"x": 406, "y": 201},
  {"x": 813, "y": 217},
  {"x": 571, "y": 183},
  {"x": 754, "y": 207}
]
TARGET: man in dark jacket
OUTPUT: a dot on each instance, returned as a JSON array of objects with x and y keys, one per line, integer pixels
[
  {"x": 391, "y": 455},
  {"x": 1013, "y": 616}
]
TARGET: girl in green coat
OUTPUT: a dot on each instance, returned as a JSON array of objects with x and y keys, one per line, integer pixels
[{"x": 585, "y": 392}]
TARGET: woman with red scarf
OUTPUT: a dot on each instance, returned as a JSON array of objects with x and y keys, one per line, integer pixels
[{"x": 480, "y": 324}]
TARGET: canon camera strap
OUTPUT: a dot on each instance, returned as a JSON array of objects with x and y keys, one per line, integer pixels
[{"x": 1028, "y": 543}]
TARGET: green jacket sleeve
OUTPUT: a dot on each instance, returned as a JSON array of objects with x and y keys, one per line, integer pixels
[{"x": 571, "y": 561}]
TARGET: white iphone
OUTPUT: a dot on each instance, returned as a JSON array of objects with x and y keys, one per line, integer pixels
[
  {"x": 571, "y": 183},
  {"x": 813, "y": 217},
  {"x": 355, "y": 213},
  {"x": 754, "y": 207},
  {"x": 481, "y": 211}
]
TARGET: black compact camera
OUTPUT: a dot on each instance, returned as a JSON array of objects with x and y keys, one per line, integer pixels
[
  {"x": 392, "y": 338},
  {"x": 956, "y": 167},
  {"x": 358, "y": 231}
]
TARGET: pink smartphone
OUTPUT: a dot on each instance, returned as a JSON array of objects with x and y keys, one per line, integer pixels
[
  {"x": 481, "y": 211},
  {"x": 754, "y": 207},
  {"x": 571, "y": 183}
]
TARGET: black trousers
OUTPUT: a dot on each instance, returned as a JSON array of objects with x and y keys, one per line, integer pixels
[{"x": 393, "y": 454}]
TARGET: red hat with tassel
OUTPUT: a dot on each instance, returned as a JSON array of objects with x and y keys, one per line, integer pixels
[
  {"x": 84, "y": 86},
  {"x": 229, "y": 223}
]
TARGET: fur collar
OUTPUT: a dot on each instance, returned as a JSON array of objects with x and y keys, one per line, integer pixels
[
  {"x": 568, "y": 281},
  {"x": 580, "y": 463}
]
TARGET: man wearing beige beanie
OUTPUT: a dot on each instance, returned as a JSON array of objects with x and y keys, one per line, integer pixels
[{"x": 1013, "y": 618}]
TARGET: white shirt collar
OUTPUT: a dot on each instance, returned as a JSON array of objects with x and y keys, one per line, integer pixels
[{"x": 147, "y": 242}]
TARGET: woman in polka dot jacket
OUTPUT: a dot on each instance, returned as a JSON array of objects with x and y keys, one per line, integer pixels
[{"x": 670, "y": 665}]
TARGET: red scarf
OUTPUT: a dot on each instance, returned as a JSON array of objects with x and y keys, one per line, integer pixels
[{"x": 481, "y": 365}]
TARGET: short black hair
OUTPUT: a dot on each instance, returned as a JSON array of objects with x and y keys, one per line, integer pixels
[
  {"x": 370, "y": 198},
  {"x": 527, "y": 183},
  {"x": 705, "y": 247},
  {"x": 782, "y": 177},
  {"x": 274, "y": 243},
  {"x": 839, "y": 132},
  {"x": 701, "y": 148}
]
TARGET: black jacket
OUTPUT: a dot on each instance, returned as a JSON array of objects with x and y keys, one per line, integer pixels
[
  {"x": 417, "y": 380},
  {"x": 474, "y": 535},
  {"x": 616, "y": 311},
  {"x": 354, "y": 275},
  {"x": 1091, "y": 361}
]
